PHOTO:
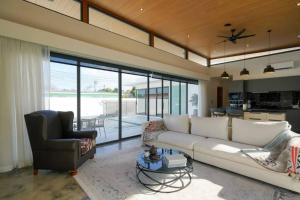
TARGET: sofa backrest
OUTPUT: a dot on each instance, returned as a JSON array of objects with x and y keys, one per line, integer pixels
[
  {"x": 177, "y": 123},
  {"x": 257, "y": 133},
  {"x": 214, "y": 127}
]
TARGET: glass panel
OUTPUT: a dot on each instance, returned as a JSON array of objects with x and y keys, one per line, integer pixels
[
  {"x": 166, "y": 97},
  {"x": 193, "y": 100},
  {"x": 197, "y": 59},
  {"x": 71, "y": 8},
  {"x": 183, "y": 98},
  {"x": 134, "y": 104},
  {"x": 175, "y": 98},
  {"x": 169, "y": 47},
  {"x": 63, "y": 88},
  {"x": 100, "y": 103},
  {"x": 109, "y": 23},
  {"x": 155, "y": 97}
]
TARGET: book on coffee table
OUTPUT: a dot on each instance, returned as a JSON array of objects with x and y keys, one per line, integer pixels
[{"x": 177, "y": 160}]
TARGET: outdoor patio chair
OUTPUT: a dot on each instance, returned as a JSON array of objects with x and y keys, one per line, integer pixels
[{"x": 100, "y": 123}]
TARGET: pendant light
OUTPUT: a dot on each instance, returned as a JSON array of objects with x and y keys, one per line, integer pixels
[
  {"x": 244, "y": 72},
  {"x": 269, "y": 68},
  {"x": 224, "y": 75}
]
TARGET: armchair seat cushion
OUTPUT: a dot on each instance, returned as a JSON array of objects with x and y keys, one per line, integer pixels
[{"x": 86, "y": 144}]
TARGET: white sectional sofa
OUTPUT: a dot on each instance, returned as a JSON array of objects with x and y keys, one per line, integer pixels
[{"x": 206, "y": 140}]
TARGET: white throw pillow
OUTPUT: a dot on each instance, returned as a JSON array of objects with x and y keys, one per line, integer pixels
[
  {"x": 177, "y": 123},
  {"x": 257, "y": 133},
  {"x": 214, "y": 127}
]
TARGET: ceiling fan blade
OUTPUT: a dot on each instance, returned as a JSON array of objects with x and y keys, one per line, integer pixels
[
  {"x": 233, "y": 41},
  {"x": 240, "y": 33},
  {"x": 223, "y": 36},
  {"x": 246, "y": 36}
]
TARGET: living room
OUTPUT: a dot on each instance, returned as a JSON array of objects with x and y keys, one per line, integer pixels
[{"x": 149, "y": 99}]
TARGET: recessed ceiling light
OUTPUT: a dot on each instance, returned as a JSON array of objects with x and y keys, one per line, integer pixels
[
  {"x": 298, "y": 36},
  {"x": 188, "y": 35},
  {"x": 141, "y": 9},
  {"x": 298, "y": 4}
]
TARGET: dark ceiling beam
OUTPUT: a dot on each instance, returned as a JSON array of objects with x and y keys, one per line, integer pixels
[
  {"x": 84, "y": 11},
  {"x": 151, "y": 40},
  {"x": 141, "y": 27},
  {"x": 186, "y": 54}
]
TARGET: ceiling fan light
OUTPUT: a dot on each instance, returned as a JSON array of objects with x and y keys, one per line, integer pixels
[
  {"x": 269, "y": 69},
  {"x": 225, "y": 75},
  {"x": 244, "y": 72}
]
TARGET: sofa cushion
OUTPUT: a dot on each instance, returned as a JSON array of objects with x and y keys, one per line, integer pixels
[
  {"x": 257, "y": 133},
  {"x": 226, "y": 150},
  {"x": 216, "y": 127},
  {"x": 182, "y": 140},
  {"x": 177, "y": 123}
]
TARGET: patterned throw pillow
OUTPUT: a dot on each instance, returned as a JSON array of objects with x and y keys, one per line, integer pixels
[
  {"x": 294, "y": 160},
  {"x": 151, "y": 130},
  {"x": 86, "y": 144},
  {"x": 153, "y": 126}
]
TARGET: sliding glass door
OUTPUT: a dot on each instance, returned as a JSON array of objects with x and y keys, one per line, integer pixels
[
  {"x": 175, "y": 91},
  {"x": 116, "y": 101},
  {"x": 100, "y": 103},
  {"x": 166, "y": 97},
  {"x": 193, "y": 99},
  {"x": 134, "y": 104},
  {"x": 183, "y": 96},
  {"x": 155, "y": 98},
  {"x": 63, "y": 88}
]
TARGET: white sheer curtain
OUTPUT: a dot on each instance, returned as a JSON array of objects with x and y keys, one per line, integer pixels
[{"x": 24, "y": 75}]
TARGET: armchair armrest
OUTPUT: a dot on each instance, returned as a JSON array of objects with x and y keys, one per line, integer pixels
[
  {"x": 62, "y": 144},
  {"x": 82, "y": 134}
]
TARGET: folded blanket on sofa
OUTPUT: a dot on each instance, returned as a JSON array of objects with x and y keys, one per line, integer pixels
[{"x": 282, "y": 154}]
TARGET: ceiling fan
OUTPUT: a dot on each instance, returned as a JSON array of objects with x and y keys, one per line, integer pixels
[{"x": 234, "y": 37}]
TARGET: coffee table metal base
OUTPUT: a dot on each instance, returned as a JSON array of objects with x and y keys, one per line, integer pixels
[{"x": 169, "y": 185}]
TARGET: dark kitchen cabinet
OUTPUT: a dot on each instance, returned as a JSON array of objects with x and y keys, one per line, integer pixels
[
  {"x": 291, "y": 83},
  {"x": 293, "y": 117},
  {"x": 236, "y": 86}
]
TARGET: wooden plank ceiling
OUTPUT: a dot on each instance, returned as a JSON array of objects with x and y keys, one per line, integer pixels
[{"x": 196, "y": 23}]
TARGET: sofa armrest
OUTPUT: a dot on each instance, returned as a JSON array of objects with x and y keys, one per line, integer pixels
[
  {"x": 82, "y": 134},
  {"x": 62, "y": 145}
]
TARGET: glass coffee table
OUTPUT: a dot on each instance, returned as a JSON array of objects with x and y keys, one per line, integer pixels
[{"x": 157, "y": 177}]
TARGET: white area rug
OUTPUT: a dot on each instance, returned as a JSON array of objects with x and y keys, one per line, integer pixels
[{"x": 113, "y": 177}]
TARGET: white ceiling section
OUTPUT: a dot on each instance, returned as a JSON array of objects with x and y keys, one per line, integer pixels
[
  {"x": 257, "y": 65},
  {"x": 96, "y": 43}
]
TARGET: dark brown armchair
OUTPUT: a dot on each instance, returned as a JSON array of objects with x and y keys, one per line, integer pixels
[{"x": 55, "y": 145}]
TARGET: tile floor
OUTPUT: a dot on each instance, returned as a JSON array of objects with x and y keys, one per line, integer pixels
[{"x": 21, "y": 184}]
